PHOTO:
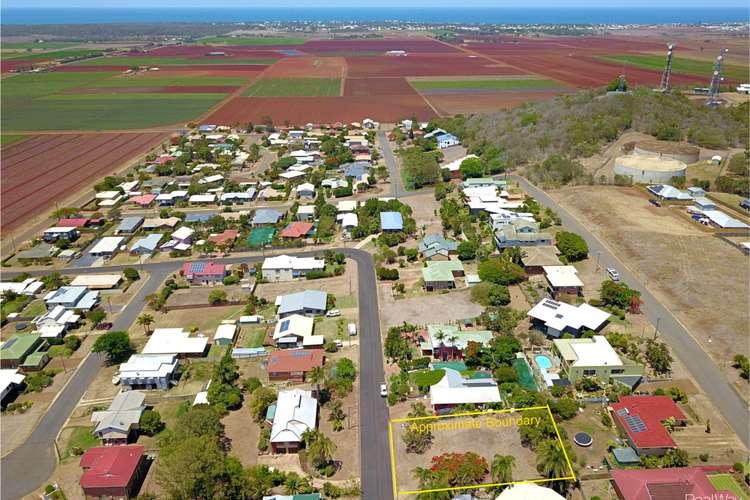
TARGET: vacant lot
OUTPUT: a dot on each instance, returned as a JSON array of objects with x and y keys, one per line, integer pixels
[
  {"x": 430, "y": 308},
  {"x": 692, "y": 272},
  {"x": 281, "y": 87},
  {"x": 484, "y": 441}
]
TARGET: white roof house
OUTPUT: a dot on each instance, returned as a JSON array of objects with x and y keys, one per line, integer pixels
[
  {"x": 202, "y": 198},
  {"x": 562, "y": 276},
  {"x": 588, "y": 352},
  {"x": 29, "y": 286},
  {"x": 211, "y": 179},
  {"x": 107, "y": 195},
  {"x": 296, "y": 329},
  {"x": 171, "y": 196},
  {"x": 182, "y": 233},
  {"x": 291, "y": 174},
  {"x": 296, "y": 412},
  {"x": 294, "y": 263},
  {"x": 8, "y": 379},
  {"x": 453, "y": 389},
  {"x": 346, "y": 206},
  {"x": 174, "y": 341},
  {"x": 97, "y": 281},
  {"x": 107, "y": 245},
  {"x": 306, "y": 210},
  {"x": 559, "y": 317},
  {"x": 723, "y": 220},
  {"x": 348, "y": 220},
  {"x": 145, "y": 367},
  {"x": 225, "y": 332}
]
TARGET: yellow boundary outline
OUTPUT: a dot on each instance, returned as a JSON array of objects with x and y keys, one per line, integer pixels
[{"x": 396, "y": 493}]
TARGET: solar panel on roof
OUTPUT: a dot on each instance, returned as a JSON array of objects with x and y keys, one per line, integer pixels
[
  {"x": 284, "y": 326},
  {"x": 197, "y": 267},
  {"x": 635, "y": 423},
  {"x": 300, "y": 354},
  {"x": 9, "y": 343},
  {"x": 622, "y": 412}
]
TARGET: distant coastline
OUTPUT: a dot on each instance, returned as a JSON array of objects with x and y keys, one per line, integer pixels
[{"x": 557, "y": 16}]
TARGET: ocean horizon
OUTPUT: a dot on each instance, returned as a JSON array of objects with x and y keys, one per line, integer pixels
[{"x": 613, "y": 15}]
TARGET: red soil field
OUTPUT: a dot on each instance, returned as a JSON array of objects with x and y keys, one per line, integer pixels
[
  {"x": 307, "y": 67},
  {"x": 363, "y": 87},
  {"x": 185, "y": 89},
  {"x": 586, "y": 71},
  {"x": 7, "y": 66},
  {"x": 302, "y": 110},
  {"x": 407, "y": 44},
  {"x": 45, "y": 168},
  {"x": 200, "y": 52},
  {"x": 588, "y": 43},
  {"x": 450, "y": 104},
  {"x": 425, "y": 65},
  {"x": 213, "y": 69}
]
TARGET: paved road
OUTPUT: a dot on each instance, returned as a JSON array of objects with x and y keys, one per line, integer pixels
[
  {"x": 729, "y": 403},
  {"x": 397, "y": 188},
  {"x": 35, "y": 460},
  {"x": 30, "y": 465}
]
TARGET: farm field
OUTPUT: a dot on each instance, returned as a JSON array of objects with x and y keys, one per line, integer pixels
[
  {"x": 275, "y": 87},
  {"x": 8, "y": 139},
  {"x": 37, "y": 45},
  {"x": 426, "y": 86},
  {"x": 159, "y": 61},
  {"x": 307, "y": 67},
  {"x": 52, "y": 54},
  {"x": 680, "y": 65},
  {"x": 425, "y": 65},
  {"x": 232, "y": 40},
  {"x": 47, "y": 168},
  {"x": 377, "y": 86},
  {"x": 301, "y": 110}
]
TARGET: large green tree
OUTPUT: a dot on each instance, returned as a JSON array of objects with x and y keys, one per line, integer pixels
[
  {"x": 571, "y": 246},
  {"x": 115, "y": 344}
]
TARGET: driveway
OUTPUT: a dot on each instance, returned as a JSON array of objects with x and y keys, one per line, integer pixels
[{"x": 730, "y": 404}]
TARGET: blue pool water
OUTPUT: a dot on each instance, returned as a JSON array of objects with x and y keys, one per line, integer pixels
[{"x": 543, "y": 361}]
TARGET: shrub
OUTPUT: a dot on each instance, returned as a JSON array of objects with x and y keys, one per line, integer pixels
[
  {"x": 232, "y": 279},
  {"x": 151, "y": 422},
  {"x": 72, "y": 342},
  {"x": 500, "y": 271},
  {"x": 384, "y": 273},
  {"x": 131, "y": 274},
  {"x": 250, "y": 384},
  {"x": 330, "y": 347},
  {"x": 571, "y": 245}
]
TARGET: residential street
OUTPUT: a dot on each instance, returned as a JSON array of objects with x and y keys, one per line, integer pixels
[
  {"x": 698, "y": 362},
  {"x": 374, "y": 450},
  {"x": 397, "y": 189}
]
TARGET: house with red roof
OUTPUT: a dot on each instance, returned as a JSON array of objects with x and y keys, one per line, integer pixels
[
  {"x": 297, "y": 230},
  {"x": 641, "y": 419},
  {"x": 293, "y": 364},
  {"x": 204, "y": 273},
  {"x": 228, "y": 235},
  {"x": 666, "y": 484},
  {"x": 79, "y": 222},
  {"x": 143, "y": 200},
  {"x": 113, "y": 471}
]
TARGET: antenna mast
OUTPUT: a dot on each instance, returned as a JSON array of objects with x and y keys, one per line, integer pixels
[
  {"x": 716, "y": 78},
  {"x": 664, "y": 87}
]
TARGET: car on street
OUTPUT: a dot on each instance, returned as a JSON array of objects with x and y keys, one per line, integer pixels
[
  {"x": 383, "y": 390},
  {"x": 613, "y": 274},
  {"x": 352, "y": 327},
  {"x": 333, "y": 313}
]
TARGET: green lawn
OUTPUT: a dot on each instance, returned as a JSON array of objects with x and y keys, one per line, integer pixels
[
  {"x": 679, "y": 65},
  {"x": 284, "y": 87},
  {"x": 346, "y": 301},
  {"x": 81, "y": 438},
  {"x": 329, "y": 328},
  {"x": 170, "y": 61},
  {"x": 726, "y": 482},
  {"x": 6, "y": 139},
  {"x": 253, "y": 336},
  {"x": 104, "y": 111},
  {"x": 35, "y": 308},
  {"x": 426, "y": 378},
  {"x": 51, "y": 54},
  {"x": 12, "y": 306},
  {"x": 231, "y": 40},
  {"x": 484, "y": 84},
  {"x": 57, "y": 351}
]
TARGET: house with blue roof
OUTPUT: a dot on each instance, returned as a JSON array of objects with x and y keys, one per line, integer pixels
[
  {"x": 307, "y": 303},
  {"x": 198, "y": 218},
  {"x": 72, "y": 297},
  {"x": 266, "y": 216},
  {"x": 147, "y": 245},
  {"x": 129, "y": 225},
  {"x": 446, "y": 140},
  {"x": 437, "y": 247},
  {"x": 391, "y": 221}
]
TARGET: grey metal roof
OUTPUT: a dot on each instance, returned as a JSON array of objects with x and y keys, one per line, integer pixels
[
  {"x": 129, "y": 224},
  {"x": 266, "y": 216},
  {"x": 123, "y": 413},
  {"x": 309, "y": 299}
]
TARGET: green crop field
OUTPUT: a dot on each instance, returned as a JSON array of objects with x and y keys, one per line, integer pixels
[
  {"x": 121, "y": 81},
  {"x": 51, "y": 54},
  {"x": 286, "y": 87},
  {"x": 106, "y": 111},
  {"x": 484, "y": 84},
  {"x": 680, "y": 65},
  {"x": 230, "y": 40},
  {"x": 727, "y": 483},
  {"x": 36, "y": 45},
  {"x": 170, "y": 61},
  {"x": 6, "y": 139},
  {"x": 32, "y": 85}
]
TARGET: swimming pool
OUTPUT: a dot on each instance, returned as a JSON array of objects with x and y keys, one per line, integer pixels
[{"x": 543, "y": 361}]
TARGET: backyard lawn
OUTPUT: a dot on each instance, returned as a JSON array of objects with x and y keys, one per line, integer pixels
[
  {"x": 253, "y": 336},
  {"x": 78, "y": 439}
]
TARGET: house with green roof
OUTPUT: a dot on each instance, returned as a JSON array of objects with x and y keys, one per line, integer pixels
[
  {"x": 42, "y": 252},
  {"x": 27, "y": 351},
  {"x": 436, "y": 247},
  {"x": 446, "y": 342},
  {"x": 440, "y": 275}
]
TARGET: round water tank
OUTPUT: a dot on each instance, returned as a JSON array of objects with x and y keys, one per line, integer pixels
[{"x": 649, "y": 169}]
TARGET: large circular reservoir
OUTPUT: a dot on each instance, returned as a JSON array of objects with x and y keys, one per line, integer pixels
[
  {"x": 649, "y": 169},
  {"x": 680, "y": 151}
]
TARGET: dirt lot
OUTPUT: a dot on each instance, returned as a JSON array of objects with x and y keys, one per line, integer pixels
[
  {"x": 425, "y": 208},
  {"x": 206, "y": 319},
  {"x": 671, "y": 254},
  {"x": 484, "y": 441},
  {"x": 434, "y": 307},
  {"x": 199, "y": 295},
  {"x": 343, "y": 285}
]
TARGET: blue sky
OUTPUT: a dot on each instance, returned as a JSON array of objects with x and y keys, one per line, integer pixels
[{"x": 348, "y": 4}]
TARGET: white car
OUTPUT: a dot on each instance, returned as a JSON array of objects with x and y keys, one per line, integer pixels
[
  {"x": 333, "y": 313},
  {"x": 613, "y": 274},
  {"x": 338, "y": 343},
  {"x": 383, "y": 390}
]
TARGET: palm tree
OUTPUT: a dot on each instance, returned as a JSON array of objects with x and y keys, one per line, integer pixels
[
  {"x": 316, "y": 375},
  {"x": 453, "y": 339},
  {"x": 145, "y": 320},
  {"x": 551, "y": 462},
  {"x": 152, "y": 300},
  {"x": 502, "y": 470},
  {"x": 440, "y": 337}
]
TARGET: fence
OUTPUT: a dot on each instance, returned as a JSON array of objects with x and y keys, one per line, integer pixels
[{"x": 201, "y": 306}]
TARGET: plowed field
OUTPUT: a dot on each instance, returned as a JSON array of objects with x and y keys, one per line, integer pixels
[
  {"x": 362, "y": 87},
  {"x": 425, "y": 65},
  {"x": 47, "y": 168},
  {"x": 301, "y": 110},
  {"x": 307, "y": 67}
]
